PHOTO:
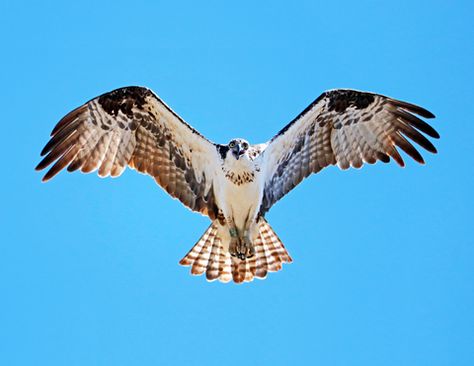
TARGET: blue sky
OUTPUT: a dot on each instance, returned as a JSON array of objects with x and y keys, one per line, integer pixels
[{"x": 383, "y": 257}]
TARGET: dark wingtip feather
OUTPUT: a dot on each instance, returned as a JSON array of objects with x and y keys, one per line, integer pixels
[
  {"x": 48, "y": 147},
  {"x": 74, "y": 166},
  {"x": 384, "y": 158},
  {"x": 419, "y": 139},
  {"x": 408, "y": 148},
  {"x": 60, "y": 136},
  {"x": 51, "y": 173},
  {"x": 67, "y": 119},
  {"x": 434, "y": 134},
  {"x": 416, "y": 156},
  {"x": 415, "y": 122},
  {"x": 424, "y": 112},
  {"x": 414, "y": 108},
  {"x": 401, "y": 163},
  {"x": 396, "y": 156},
  {"x": 43, "y": 163},
  {"x": 424, "y": 127},
  {"x": 48, "y": 175}
]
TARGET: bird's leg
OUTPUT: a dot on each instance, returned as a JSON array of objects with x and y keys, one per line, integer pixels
[
  {"x": 240, "y": 246},
  {"x": 247, "y": 239},
  {"x": 234, "y": 239},
  {"x": 247, "y": 243},
  {"x": 245, "y": 248}
]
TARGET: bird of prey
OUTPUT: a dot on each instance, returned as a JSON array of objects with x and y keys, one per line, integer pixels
[{"x": 234, "y": 184}]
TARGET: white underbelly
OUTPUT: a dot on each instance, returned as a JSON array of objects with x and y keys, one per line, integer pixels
[{"x": 240, "y": 202}]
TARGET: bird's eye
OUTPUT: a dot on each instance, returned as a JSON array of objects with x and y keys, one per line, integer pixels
[
  {"x": 232, "y": 144},
  {"x": 245, "y": 145}
]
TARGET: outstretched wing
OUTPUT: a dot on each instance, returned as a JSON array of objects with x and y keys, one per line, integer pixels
[
  {"x": 347, "y": 128},
  {"x": 132, "y": 126}
]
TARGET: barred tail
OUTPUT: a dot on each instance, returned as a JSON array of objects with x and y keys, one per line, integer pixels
[{"x": 209, "y": 255}]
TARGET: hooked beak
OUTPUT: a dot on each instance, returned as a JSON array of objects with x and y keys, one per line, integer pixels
[{"x": 238, "y": 152}]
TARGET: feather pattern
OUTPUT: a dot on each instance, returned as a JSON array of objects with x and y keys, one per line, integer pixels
[
  {"x": 347, "y": 128},
  {"x": 132, "y": 127},
  {"x": 209, "y": 256}
]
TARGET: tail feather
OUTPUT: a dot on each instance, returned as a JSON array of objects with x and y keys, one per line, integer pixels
[
  {"x": 200, "y": 263},
  {"x": 261, "y": 258},
  {"x": 272, "y": 257},
  {"x": 216, "y": 262},
  {"x": 238, "y": 271},
  {"x": 192, "y": 255},
  {"x": 208, "y": 255},
  {"x": 212, "y": 271},
  {"x": 274, "y": 249},
  {"x": 244, "y": 270},
  {"x": 225, "y": 269}
]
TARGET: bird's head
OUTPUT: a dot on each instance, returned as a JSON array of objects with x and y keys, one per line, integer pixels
[{"x": 238, "y": 148}]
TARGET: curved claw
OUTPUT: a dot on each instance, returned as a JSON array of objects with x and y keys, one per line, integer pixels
[{"x": 241, "y": 248}]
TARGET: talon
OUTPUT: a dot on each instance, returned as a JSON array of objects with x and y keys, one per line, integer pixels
[
  {"x": 251, "y": 251},
  {"x": 240, "y": 247},
  {"x": 233, "y": 247}
]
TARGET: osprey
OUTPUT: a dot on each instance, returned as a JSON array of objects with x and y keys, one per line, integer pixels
[{"x": 233, "y": 184}]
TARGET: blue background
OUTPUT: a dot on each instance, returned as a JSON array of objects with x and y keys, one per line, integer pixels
[{"x": 383, "y": 257}]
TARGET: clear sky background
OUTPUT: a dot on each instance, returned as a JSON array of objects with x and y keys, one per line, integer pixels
[{"x": 383, "y": 257}]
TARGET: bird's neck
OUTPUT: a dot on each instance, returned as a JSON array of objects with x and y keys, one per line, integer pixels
[
  {"x": 240, "y": 171},
  {"x": 238, "y": 166}
]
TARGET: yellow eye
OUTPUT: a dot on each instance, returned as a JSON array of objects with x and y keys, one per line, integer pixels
[
  {"x": 245, "y": 145},
  {"x": 232, "y": 144}
]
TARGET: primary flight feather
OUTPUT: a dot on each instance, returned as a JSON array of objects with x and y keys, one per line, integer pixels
[{"x": 234, "y": 184}]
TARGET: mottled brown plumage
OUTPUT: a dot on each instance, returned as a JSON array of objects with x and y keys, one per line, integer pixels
[
  {"x": 347, "y": 128},
  {"x": 133, "y": 127}
]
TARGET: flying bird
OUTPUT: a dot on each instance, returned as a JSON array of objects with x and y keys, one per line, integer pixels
[{"x": 234, "y": 184}]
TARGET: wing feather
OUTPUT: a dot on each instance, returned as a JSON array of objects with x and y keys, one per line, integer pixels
[
  {"x": 346, "y": 128},
  {"x": 132, "y": 127}
]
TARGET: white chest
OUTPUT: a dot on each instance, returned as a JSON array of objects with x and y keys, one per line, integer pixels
[{"x": 239, "y": 192}]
